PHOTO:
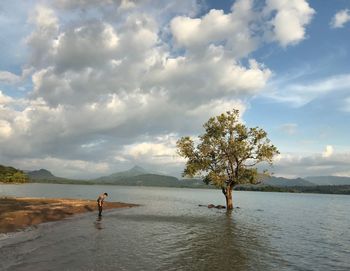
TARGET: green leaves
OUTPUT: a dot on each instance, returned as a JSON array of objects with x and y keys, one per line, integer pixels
[{"x": 228, "y": 151}]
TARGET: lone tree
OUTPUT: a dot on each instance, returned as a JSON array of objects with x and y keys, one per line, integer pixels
[{"x": 227, "y": 153}]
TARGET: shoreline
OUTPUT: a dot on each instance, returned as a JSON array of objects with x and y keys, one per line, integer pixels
[{"x": 18, "y": 213}]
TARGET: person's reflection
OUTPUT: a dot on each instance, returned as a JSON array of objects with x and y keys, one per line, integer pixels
[{"x": 98, "y": 223}]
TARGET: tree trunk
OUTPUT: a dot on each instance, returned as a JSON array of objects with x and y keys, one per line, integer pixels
[{"x": 228, "y": 195}]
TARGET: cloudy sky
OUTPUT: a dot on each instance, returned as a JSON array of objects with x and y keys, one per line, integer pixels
[{"x": 90, "y": 87}]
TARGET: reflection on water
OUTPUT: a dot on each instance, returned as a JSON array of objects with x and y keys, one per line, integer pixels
[
  {"x": 271, "y": 231},
  {"x": 98, "y": 223},
  {"x": 213, "y": 246}
]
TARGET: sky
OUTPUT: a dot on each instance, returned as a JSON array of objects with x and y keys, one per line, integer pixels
[{"x": 91, "y": 87}]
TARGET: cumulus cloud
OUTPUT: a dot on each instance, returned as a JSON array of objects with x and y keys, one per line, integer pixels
[
  {"x": 340, "y": 18},
  {"x": 242, "y": 30},
  {"x": 4, "y": 99},
  {"x": 119, "y": 81},
  {"x": 42, "y": 40},
  {"x": 217, "y": 27},
  {"x": 73, "y": 168},
  {"x": 292, "y": 16},
  {"x": 5, "y": 129},
  {"x": 9, "y": 77},
  {"x": 159, "y": 153},
  {"x": 317, "y": 164}
]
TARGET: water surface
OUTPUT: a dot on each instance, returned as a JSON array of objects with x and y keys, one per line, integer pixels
[{"x": 270, "y": 231}]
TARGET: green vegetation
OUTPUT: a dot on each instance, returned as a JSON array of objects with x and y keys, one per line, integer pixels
[
  {"x": 227, "y": 153},
  {"x": 320, "y": 189},
  {"x": 12, "y": 175},
  {"x": 328, "y": 180},
  {"x": 138, "y": 176},
  {"x": 60, "y": 181},
  {"x": 143, "y": 180}
]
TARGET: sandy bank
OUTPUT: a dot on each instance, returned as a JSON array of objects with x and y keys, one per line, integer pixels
[{"x": 18, "y": 213}]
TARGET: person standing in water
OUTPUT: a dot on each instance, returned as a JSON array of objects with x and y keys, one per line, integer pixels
[{"x": 100, "y": 201}]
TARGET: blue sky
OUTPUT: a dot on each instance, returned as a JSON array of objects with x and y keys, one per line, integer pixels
[
  {"x": 92, "y": 87},
  {"x": 323, "y": 55}
]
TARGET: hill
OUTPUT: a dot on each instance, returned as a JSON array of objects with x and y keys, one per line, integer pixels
[
  {"x": 12, "y": 175},
  {"x": 138, "y": 176},
  {"x": 141, "y": 180},
  {"x": 45, "y": 176},
  {"x": 328, "y": 180},
  {"x": 42, "y": 174},
  {"x": 284, "y": 182},
  {"x": 135, "y": 171}
]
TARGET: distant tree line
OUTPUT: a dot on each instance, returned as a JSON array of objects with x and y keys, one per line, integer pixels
[
  {"x": 321, "y": 189},
  {"x": 12, "y": 175}
]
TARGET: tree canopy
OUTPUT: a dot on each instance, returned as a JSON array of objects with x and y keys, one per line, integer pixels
[{"x": 227, "y": 153}]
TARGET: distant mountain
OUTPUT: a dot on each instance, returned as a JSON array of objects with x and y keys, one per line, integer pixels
[
  {"x": 328, "y": 180},
  {"x": 42, "y": 174},
  {"x": 284, "y": 182},
  {"x": 142, "y": 180},
  {"x": 138, "y": 176},
  {"x": 45, "y": 176},
  {"x": 135, "y": 171}
]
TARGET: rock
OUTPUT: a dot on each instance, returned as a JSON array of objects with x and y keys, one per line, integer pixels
[{"x": 212, "y": 206}]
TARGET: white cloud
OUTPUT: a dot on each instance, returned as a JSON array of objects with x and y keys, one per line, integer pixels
[
  {"x": 246, "y": 27},
  {"x": 301, "y": 94},
  {"x": 5, "y": 129},
  {"x": 109, "y": 81},
  {"x": 4, "y": 99},
  {"x": 8, "y": 77},
  {"x": 42, "y": 40},
  {"x": 90, "y": 45},
  {"x": 292, "y": 16},
  {"x": 232, "y": 30},
  {"x": 328, "y": 151},
  {"x": 161, "y": 151},
  {"x": 215, "y": 108},
  {"x": 214, "y": 26},
  {"x": 314, "y": 164},
  {"x": 340, "y": 18},
  {"x": 64, "y": 167},
  {"x": 151, "y": 150},
  {"x": 289, "y": 128}
]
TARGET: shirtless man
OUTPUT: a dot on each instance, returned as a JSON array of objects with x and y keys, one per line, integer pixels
[{"x": 100, "y": 201}]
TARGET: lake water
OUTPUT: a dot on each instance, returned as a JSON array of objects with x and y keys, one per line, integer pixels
[{"x": 270, "y": 231}]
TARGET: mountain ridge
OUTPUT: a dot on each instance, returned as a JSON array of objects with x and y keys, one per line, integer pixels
[
  {"x": 140, "y": 176},
  {"x": 328, "y": 180},
  {"x": 42, "y": 174}
]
